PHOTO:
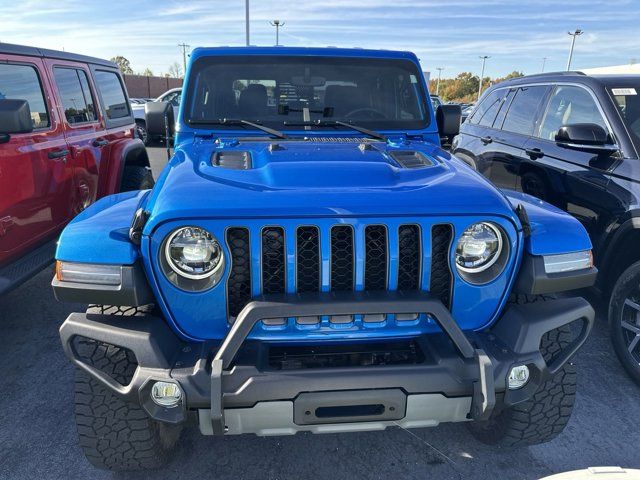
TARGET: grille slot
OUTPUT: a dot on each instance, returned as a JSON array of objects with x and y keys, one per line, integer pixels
[
  {"x": 273, "y": 260},
  {"x": 342, "y": 259},
  {"x": 441, "y": 277},
  {"x": 308, "y": 259},
  {"x": 411, "y": 159},
  {"x": 239, "y": 281},
  {"x": 376, "y": 257},
  {"x": 409, "y": 257}
]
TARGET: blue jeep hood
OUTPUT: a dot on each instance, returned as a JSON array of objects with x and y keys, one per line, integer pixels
[{"x": 318, "y": 178}]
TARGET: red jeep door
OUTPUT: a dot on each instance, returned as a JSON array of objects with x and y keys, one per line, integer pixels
[
  {"x": 82, "y": 124},
  {"x": 35, "y": 176}
]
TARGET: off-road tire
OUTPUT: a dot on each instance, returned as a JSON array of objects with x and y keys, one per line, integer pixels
[
  {"x": 113, "y": 433},
  {"x": 143, "y": 134},
  {"x": 136, "y": 178},
  {"x": 547, "y": 413},
  {"x": 625, "y": 288}
]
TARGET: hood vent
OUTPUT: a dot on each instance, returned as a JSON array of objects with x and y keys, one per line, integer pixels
[
  {"x": 233, "y": 160},
  {"x": 411, "y": 159}
]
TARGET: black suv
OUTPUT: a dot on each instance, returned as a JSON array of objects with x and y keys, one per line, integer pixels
[{"x": 573, "y": 140}]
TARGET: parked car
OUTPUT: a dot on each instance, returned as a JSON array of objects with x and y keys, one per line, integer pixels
[
  {"x": 436, "y": 101},
  {"x": 66, "y": 139},
  {"x": 311, "y": 260},
  {"x": 171, "y": 96},
  {"x": 139, "y": 101},
  {"x": 573, "y": 140},
  {"x": 467, "y": 109}
]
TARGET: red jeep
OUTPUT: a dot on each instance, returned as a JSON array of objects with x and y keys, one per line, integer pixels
[{"x": 67, "y": 138}]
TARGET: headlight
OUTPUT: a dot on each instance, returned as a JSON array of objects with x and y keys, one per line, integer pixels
[
  {"x": 481, "y": 253},
  {"x": 194, "y": 254}
]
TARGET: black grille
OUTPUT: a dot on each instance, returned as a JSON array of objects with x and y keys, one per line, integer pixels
[
  {"x": 409, "y": 257},
  {"x": 441, "y": 277},
  {"x": 308, "y": 259},
  {"x": 342, "y": 258},
  {"x": 376, "y": 253},
  {"x": 239, "y": 281},
  {"x": 273, "y": 260}
]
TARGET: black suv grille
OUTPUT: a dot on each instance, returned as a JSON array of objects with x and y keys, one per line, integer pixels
[
  {"x": 388, "y": 257},
  {"x": 342, "y": 259},
  {"x": 308, "y": 256}
]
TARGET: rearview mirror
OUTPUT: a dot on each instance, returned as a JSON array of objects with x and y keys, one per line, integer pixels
[
  {"x": 160, "y": 119},
  {"x": 448, "y": 118},
  {"x": 584, "y": 136},
  {"x": 15, "y": 116}
]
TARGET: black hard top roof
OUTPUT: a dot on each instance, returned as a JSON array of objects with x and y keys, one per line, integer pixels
[
  {"x": 46, "y": 53},
  {"x": 576, "y": 77}
]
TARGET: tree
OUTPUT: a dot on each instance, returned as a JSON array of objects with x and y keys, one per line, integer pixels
[
  {"x": 175, "y": 70},
  {"x": 123, "y": 64},
  {"x": 147, "y": 72}
]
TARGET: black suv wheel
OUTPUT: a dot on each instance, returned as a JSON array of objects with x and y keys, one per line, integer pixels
[{"x": 624, "y": 320}]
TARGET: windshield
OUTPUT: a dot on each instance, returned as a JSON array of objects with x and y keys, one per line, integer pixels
[
  {"x": 283, "y": 92},
  {"x": 627, "y": 99}
]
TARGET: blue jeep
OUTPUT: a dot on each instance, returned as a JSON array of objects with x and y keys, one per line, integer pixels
[{"x": 311, "y": 260}]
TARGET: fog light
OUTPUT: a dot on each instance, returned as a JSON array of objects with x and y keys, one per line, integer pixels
[
  {"x": 166, "y": 394},
  {"x": 518, "y": 377}
]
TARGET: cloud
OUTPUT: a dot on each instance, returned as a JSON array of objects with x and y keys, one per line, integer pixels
[{"x": 443, "y": 33}]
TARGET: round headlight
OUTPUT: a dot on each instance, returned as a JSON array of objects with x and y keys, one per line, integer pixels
[
  {"x": 478, "y": 248},
  {"x": 194, "y": 253}
]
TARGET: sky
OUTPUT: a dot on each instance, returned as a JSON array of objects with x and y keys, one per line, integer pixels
[{"x": 451, "y": 34}]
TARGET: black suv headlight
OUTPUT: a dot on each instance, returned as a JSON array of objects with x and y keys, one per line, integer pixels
[
  {"x": 192, "y": 259},
  {"x": 481, "y": 252}
]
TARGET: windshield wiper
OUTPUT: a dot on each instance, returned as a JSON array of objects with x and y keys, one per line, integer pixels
[
  {"x": 336, "y": 123},
  {"x": 239, "y": 121}
]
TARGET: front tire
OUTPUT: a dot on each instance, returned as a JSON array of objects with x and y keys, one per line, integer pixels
[
  {"x": 624, "y": 320},
  {"x": 116, "y": 434},
  {"x": 545, "y": 415}
]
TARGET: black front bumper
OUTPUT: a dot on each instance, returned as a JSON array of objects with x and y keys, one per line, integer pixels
[{"x": 232, "y": 375}]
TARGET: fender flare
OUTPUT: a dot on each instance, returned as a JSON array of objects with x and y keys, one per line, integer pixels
[
  {"x": 130, "y": 152},
  {"x": 607, "y": 259}
]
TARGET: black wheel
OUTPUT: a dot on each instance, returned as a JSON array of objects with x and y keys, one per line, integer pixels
[
  {"x": 547, "y": 413},
  {"x": 136, "y": 178},
  {"x": 624, "y": 320},
  {"x": 141, "y": 128},
  {"x": 113, "y": 433}
]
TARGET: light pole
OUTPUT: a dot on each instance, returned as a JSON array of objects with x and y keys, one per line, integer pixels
[
  {"x": 246, "y": 20},
  {"x": 184, "y": 47},
  {"x": 573, "y": 34},
  {"x": 277, "y": 24},
  {"x": 484, "y": 60},
  {"x": 544, "y": 62},
  {"x": 438, "y": 84}
]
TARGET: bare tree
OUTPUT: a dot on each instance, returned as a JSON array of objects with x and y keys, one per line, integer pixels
[
  {"x": 175, "y": 70},
  {"x": 123, "y": 64},
  {"x": 147, "y": 72}
]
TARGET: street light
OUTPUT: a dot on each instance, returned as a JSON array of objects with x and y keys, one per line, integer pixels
[
  {"x": 574, "y": 34},
  {"x": 544, "y": 62},
  {"x": 277, "y": 24},
  {"x": 246, "y": 19},
  {"x": 438, "y": 84},
  {"x": 484, "y": 60}
]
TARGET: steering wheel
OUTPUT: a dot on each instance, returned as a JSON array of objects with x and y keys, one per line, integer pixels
[{"x": 370, "y": 112}]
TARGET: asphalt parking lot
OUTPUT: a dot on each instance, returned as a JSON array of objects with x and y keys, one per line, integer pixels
[{"x": 38, "y": 438}]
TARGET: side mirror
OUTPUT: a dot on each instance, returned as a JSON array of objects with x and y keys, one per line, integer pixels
[
  {"x": 585, "y": 136},
  {"x": 448, "y": 118},
  {"x": 15, "y": 117},
  {"x": 160, "y": 119}
]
